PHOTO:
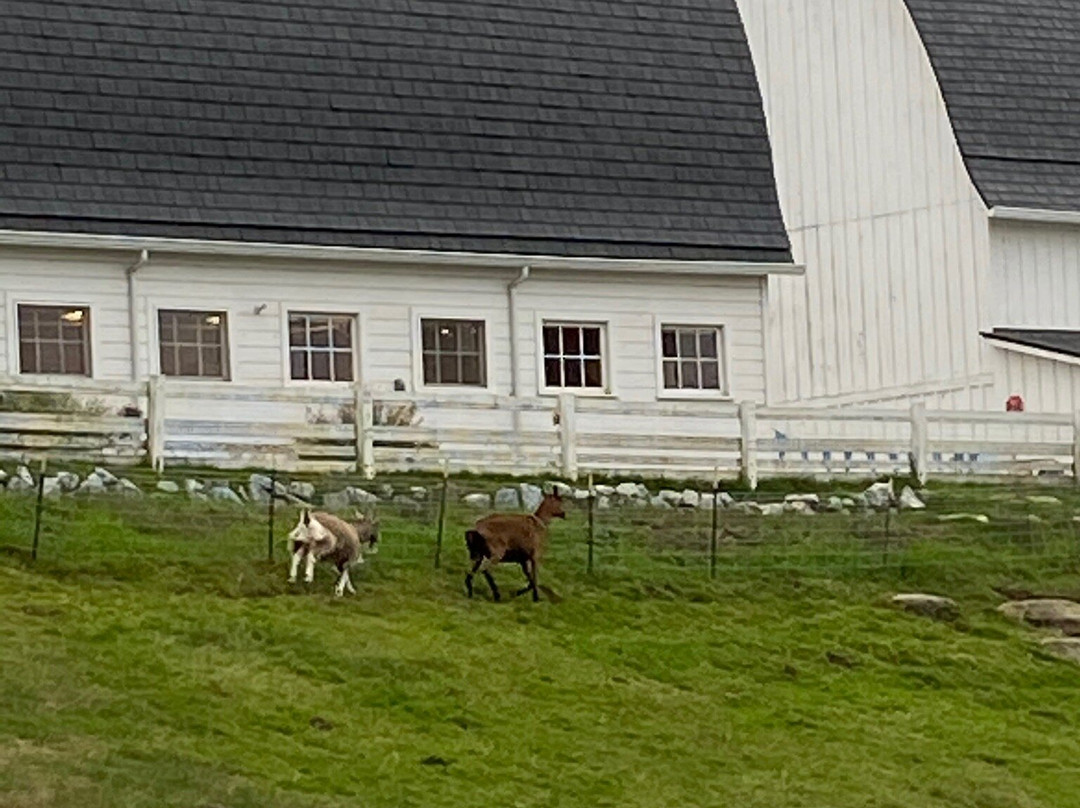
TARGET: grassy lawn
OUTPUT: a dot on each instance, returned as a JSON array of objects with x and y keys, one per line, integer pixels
[{"x": 153, "y": 657}]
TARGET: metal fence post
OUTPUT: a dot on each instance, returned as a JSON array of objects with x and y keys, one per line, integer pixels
[
  {"x": 37, "y": 511},
  {"x": 592, "y": 523},
  {"x": 442, "y": 513},
  {"x": 270, "y": 517},
  {"x": 715, "y": 529}
]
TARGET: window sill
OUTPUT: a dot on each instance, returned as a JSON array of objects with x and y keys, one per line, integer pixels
[
  {"x": 578, "y": 392},
  {"x": 694, "y": 395}
]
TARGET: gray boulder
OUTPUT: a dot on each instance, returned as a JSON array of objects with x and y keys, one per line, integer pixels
[
  {"x": 582, "y": 494},
  {"x": 562, "y": 489},
  {"x": 725, "y": 499},
  {"x": 506, "y": 499},
  {"x": 168, "y": 487},
  {"x": 1064, "y": 647},
  {"x": 880, "y": 495},
  {"x": 418, "y": 493},
  {"x": 707, "y": 502},
  {"x": 106, "y": 477},
  {"x": 3, "y": 478},
  {"x": 69, "y": 481},
  {"x": 833, "y": 505},
  {"x": 92, "y": 485},
  {"x": 933, "y": 606},
  {"x": 192, "y": 487},
  {"x": 1043, "y": 499},
  {"x": 386, "y": 491},
  {"x": 672, "y": 498},
  {"x": 407, "y": 505},
  {"x": 127, "y": 488},
  {"x": 259, "y": 488},
  {"x": 22, "y": 481},
  {"x": 800, "y": 507},
  {"x": 1045, "y": 612},
  {"x": 603, "y": 503},
  {"x": 358, "y": 496},
  {"x": 604, "y": 490},
  {"x": 531, "y": 496},
  {"x": 771, "y": 509},
  {"x": 632, "y": 491},
  {"x": 979, "y": 518},
  {"x": 337, "y": 500},
  {"x": 302, "y": 490},
  {"x": 222, "y": 493},
  {"x": 807, "y": 499},
  {"x": 51, "y": 487},
  {"x": 477, "y": 500},
  {"x": 659, "y": 502}
]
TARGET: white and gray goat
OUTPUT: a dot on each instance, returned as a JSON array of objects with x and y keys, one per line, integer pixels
[{"x": 320, "y": 536}]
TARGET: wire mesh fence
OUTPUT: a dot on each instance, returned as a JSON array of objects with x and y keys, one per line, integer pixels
[{"x": 213, "y": 517}]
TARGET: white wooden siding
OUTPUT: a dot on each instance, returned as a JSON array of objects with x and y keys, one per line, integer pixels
[
  {"x": 258, "y": 294},
  {"x": 878, "y": 204},
  {"x": 1036, "y": 275}
]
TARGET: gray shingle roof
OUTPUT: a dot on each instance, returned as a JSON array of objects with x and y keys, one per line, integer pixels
[
  {"x": 1063, "y": 341},
  {"x": 1010, "y": 74},
  {"x": 562, "y": 127}
]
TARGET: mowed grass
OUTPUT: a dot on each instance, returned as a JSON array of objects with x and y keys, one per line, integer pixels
[{"x": 152, "y": 656}]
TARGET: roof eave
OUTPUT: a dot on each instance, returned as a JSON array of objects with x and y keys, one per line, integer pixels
[
  {"x": 1036, "y": 215},
  {"x": 375, "y": 255},
  {"x": 1026, "y": 349}
]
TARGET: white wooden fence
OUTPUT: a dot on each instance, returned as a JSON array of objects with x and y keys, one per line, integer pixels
[{"x": 229, "y": 426}]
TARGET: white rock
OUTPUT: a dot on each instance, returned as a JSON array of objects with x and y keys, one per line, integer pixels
[
  {"x": 22, "y": 481},
  {"x": 167, "y": 487},
  {"x": 562, "y": 489},
  {"x": 358, "y": 496},
  {"x": 418, "y": 492},
  {"x": 51, "y": 487},
  {"x": 632, "y": 491},
  {"x": 581, "y": 494},
  {"x": 659, "y": 502},
  {"x": 127, "y": 487},
  {"x": 106, "y": 477},
  {"x": 833, "y": 505},
  {"x": 1046, "y": 612},
  {"x": 1064, "y": 647},
  {"x": 771, "y": 509},
  {"x": 670, "y": 497},
  {"x": 335, "y": 501},
  {"x": 847, "y": 502},
  {"x": 604, "y": 490},
  {"x": 69, "y": 481},
  {"x": 386, "y": 491},
  {"x": 222, "y": 493},
  {"x": 707, "y": 502},
  {"x": 477, "y": 500},
  {"x": 531, "y": 496},
  {"x": 603, "y": 503},
  {"x": 92, "y": 485},
  {"x": 192, "y": 487},
  {"x": 506, "y": 499},
  {"x": 981, "y": 518},
  {"x": 798, "y": 506},
  {"x": 726, "y": 500},
  {"x": 259, "y": 488},
  {"x": 302, "y": 490},
  {"x": 909, "y": 500},
  {"x": 808, "y": 499},
  {"x": 880, "y": 495},
  {"x": 1043, "y": 499},
  {"x": 3, "y": 477},
  {"x": 689, "y": 499}
]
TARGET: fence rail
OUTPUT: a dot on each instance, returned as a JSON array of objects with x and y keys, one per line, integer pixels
[{"x": 174, "y": 423}]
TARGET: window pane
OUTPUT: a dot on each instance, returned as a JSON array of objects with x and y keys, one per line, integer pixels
[
  {"x": 552, "y": 375},
  {"x": 667, "y": 342},
  {"x": 211, "y": 362},
  {"x": 430, "y": 372},
  {"x": 551, "y": 341},
  {"x": 472, "y": 337},
  {"x": 28, "y": 358},
  {"x": 448, "y": 369},
  {"x": 448, "y": 336},
  {"x": 189, "y": 360},
  {"x": 671, "y": 375},
  {"x": 342, "y": 332},
  {"x": 592, "y": 341},
  {"x": 470, "y": 370},
  {"x": 298, "y": 364},
  {"x": 572, "y": 371},
  {"x": 48, "y": 327},
  {"x": 319, "y": 332},
  {"x": 186, "y": 330},
  {"x": 297, "y": 331},
  {"x": 168, "y": 362},
  {"x": 710, "y": 375},
  {"x": 687, "y": 343},
  {"x": 73, "y": 358},
  {"x": 343, "y": 366},
  {"x": 690, "y": 375},
  {"x": 571, "y": 338},
  {"x": 320, "y": 366},
  {"x": 428, "y": 330},
  {"x": 50, "y": 357},
  {"x": 594, "y": 373},
  {"x": 708, "y": 344}
]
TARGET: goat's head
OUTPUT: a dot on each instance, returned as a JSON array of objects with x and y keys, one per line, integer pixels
[
  {"x": 367, "y": 529},
  {"x": 308, "y": 530},
  {"x": 551, "y": 507}
]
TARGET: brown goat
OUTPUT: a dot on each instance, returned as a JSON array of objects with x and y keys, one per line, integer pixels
[{"x": 514, "y": 538}]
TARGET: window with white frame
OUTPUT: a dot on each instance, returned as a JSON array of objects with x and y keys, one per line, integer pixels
[
  {"x": 574, "y": 355},
  {"x": 692, "y": 358},
  {"x": 321, "y": 347},
  {"x": 193, "y": 344},
  {"x": 54, "y": 339},
  {"x": 453, "y": 352}
]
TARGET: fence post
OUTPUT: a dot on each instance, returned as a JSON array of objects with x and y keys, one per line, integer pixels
[
  {"x": 568, "y": 436},
  {"x": 748, "y": 443},
  {"x": 1076, "y": 448},
  {"x": 442, "y": 512},
  {"x": 270, "y": 517},
  {"x": 155, "y": 422},
  {"x": 592, "y": 522},
  {"x": 715, "y": 525},
  {"x": 919, "y": 440},
  {"x": 364, "y": 419},
  {"x": 37, "y": 511}
]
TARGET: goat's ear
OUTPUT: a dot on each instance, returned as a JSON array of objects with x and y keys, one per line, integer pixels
[{"x": 306, "y": 516}]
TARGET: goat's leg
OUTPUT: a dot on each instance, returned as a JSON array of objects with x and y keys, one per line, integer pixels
[
  {"x": 528, "y": 578},
  {"x": 294, "y": 567},
  {"x": 491, "y": 581},
  {"x": 344, "y": 582},
  {"x": 309, "y": 567},
  {"x": 468, "y": 578},
  {"x": 532, "y": 580}
]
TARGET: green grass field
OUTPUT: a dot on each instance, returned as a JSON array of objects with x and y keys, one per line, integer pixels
[{"x": 153, "y": 657}]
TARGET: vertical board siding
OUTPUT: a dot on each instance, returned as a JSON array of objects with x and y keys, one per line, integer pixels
[
  {"x": 1036, "y": 275},
  {"x": 877, "y": 201}
]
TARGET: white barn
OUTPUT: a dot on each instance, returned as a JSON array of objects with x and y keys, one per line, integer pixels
[
  {"x": 928, "y": 163},
  {"x": 444, "y": 199}
]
